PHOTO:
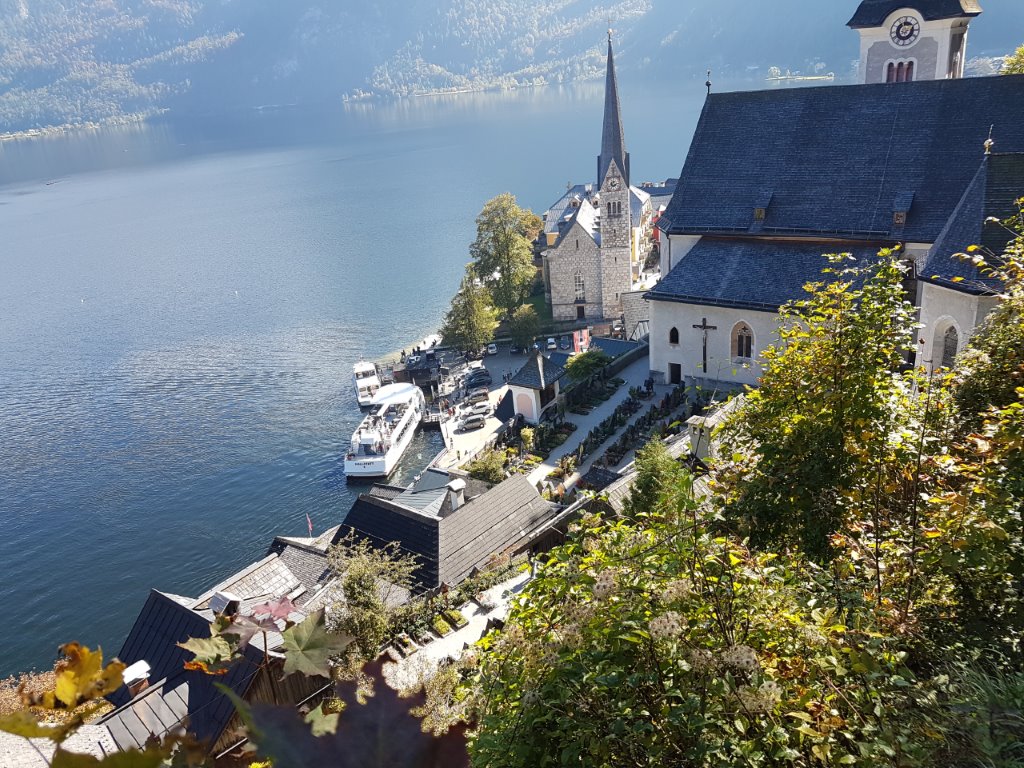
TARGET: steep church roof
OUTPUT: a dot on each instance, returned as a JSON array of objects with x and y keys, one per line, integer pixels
[
  {"x": 748, "y": 273},
  {"x": 873, "y": 13},
  {"x": 996, "y": 186},
  {"x": 613, "y": 139},
  {"x": 839, "y": 161}
]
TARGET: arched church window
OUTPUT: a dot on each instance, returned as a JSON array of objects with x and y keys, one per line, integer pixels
[
  {"x": 743, "y": 341},
  {"x": 673, "y": 336},
  {"x": 890, "y": 72},
  {"x": 950, "y": 346},
  {"x": 581, "y": 287},
  {"x": 901, "y": 72},
  {"x": 910, "y": 72}
]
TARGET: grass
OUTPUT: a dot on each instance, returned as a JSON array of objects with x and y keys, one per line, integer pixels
[{"x": 542, "y": 309}]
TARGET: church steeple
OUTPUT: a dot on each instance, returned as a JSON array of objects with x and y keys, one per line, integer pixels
[{"x": 613, "y": 142}]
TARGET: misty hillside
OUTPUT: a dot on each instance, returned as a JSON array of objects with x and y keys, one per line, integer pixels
[{"x": 97, "y": 60}]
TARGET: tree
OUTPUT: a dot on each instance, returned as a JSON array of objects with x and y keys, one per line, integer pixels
[
  {"x": 372, "y": 580},
  {"x": 582, "y": 367},
  {"x": 503, "y": 251},
  {"x": 825, "y": 407},
  {"x": 524, "y": 325},
  {"x": 1014, "y": 64},
  {"x": 471, "y": 320}
]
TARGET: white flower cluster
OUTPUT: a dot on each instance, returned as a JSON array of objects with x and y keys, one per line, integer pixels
[
  {"x": 605, "y": 585},
  {"x": 667, "y": 626},
  {"x": 591, "y": 544},
  {"x": 812, "y": 637},
  {"x": 673, "y": 591},
  {"x": 579, "y": 613},
  {"x": 741, "y": 658},
  {"x": 760, "y": 700},
  {"x": 530, "y": 698},
  {"x": 702, "y": 660},
  {"x": 636, "y": 540},
  {"x": 550, "y": 656}
]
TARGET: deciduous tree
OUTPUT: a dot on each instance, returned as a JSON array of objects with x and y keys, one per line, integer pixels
[
  {"x": 503, "y": 251},
  {"x": 1014, "y": 64},
  {"x": 472, "y": 318},
  {"x": 523, "y": 326}
]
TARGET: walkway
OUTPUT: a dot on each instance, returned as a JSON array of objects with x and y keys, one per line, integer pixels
[{"x": 635, "y": 375}]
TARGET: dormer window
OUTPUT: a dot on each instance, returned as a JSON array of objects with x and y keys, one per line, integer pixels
[
  {"x": 901, "y": 207},
  {"x": 759, "y": 214},
  {"x": 761, "y": 202},
  {"x": 899, "y": 219}
]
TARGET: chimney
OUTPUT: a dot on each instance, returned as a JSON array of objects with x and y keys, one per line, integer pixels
[
  {"x": 225, "y": 603},
  {"x": 457, "y": 493},
  {"x": 136, "y": 678}
]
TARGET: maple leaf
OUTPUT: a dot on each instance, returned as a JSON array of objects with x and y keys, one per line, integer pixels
[
  {"x": 381, "y": 732},
  {"x": 133, "y": 758},
  {"x": 279, "y": 609},
  {"x": 309, "y": 646},
  {"x": 81, "y": 677},
  {"x": 322, "y": 723},
  {"x": 23, "y": 723},
  {"x": 212, "y": 654},
  {"x": 242, "y": 628}
]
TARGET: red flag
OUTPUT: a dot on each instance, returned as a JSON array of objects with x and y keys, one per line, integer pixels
[{"x": 310, "y": 523}]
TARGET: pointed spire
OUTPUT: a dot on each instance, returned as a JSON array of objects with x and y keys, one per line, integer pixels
[{"x": 613, "y": 141}]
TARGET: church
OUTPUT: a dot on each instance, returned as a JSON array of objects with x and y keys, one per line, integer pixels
[
  {"x": 596, "y": 236},
  {"x": 914, "y": 155}
]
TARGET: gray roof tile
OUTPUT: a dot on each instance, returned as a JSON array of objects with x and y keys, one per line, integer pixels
[
  {"x": 836, "y": 158},
  {"x": 873, "y": 13},
  {"x": 538, "y": 373}
]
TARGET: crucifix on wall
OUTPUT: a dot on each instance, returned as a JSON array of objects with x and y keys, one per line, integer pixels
[{"x": 705, "y": 328}]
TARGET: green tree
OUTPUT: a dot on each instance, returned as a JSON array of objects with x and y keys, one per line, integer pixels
[
  {"x": 373, "y": 579},
  {"x": 471, "y": 320},
  {"x": 582, "y": 367},
  {"x": 524, "y": 325},
  {"x": 992, "y": 364},
  {"x": 1014, "y": 64},
  {"x": 503, "y": 251},
  {"x": 826, "y": 405}
]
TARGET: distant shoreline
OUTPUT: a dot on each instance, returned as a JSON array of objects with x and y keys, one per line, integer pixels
[{"x": 50, "y": 131}]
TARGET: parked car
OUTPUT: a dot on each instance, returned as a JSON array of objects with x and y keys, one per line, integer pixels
[
  {"x": 515, "y": 349},
  {"x": 552, "y": 344},
  {"x": 478, "y": 409},
  {"x": 481, "y": 395},
  {"x": 492, "y": 348},
  {"x": 476, "y": 421},
  {"x": 478, "y": 380},
  {"x": 565, "y": 343}
]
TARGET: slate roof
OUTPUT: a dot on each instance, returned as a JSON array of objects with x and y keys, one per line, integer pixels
[
  {"x": 561, "y": 212},
  {"x": 489, "y": 524},
  {"x": 447, "y": 548},
  {"x": 613, "y": 140},
  {"x": 589, "y": 219},
  {"x": 873, "y": 13},
  {"x": 537, "y": 373},
  {"x": 998, "y": 183},
  {"x": 613, "y": 347},
  {"x": 748, "y": 273},
  {"x": 835, "y": 160},
  {"x": 175, "y": 693}
]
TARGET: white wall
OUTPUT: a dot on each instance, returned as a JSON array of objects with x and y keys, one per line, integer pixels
[
  {"x": 688, "y": 353},
  {"x": 940, "y": 308}
]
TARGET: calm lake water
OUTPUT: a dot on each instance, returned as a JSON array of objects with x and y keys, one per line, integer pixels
[{"x": 181, "y": 305}]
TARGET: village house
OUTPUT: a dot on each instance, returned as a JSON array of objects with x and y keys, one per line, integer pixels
[{"x": 915, "y": 157}]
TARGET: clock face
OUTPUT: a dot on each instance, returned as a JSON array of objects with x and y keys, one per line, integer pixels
[
  {"x": 613, "y": 184},
  {"x": 905, "y": 30}
]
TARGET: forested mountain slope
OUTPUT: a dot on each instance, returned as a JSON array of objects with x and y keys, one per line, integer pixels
[{"x": 67, "y": 62}]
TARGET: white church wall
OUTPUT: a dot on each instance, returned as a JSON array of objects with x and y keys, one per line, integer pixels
[
  {"x": 688, "y": 353},
  {"x": 941, "y": 308},
  {"x": 674, "y": 248}
]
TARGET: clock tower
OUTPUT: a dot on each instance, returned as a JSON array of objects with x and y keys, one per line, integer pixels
[
  {"x": 906, "y": 40},
  {"x": 613, "y": 183}
]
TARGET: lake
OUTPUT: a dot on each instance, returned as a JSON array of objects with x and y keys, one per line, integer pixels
[{"x": 181, "y": 304}]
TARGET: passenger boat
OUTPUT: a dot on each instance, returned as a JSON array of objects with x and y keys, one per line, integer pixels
[
  {"x": 366, "y": 381},
  {"x": 382, "y": 437}
]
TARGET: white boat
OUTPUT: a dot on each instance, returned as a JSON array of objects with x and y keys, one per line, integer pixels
[
  {"x": 366, "y": 381},
  {"x": 382, "y": 437}
]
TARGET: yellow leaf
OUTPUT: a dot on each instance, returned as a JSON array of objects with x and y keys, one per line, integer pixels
[{"x": 82, "y": 677}]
